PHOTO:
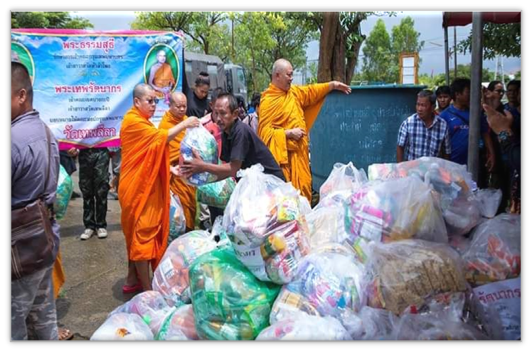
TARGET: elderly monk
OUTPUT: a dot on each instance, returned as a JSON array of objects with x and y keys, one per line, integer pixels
[
  {"x": 176, "y": 116},
  {"x": 161, "y": 75},
  {"x": 287, "y": 114},
  {"x": 144, "y": 190}
]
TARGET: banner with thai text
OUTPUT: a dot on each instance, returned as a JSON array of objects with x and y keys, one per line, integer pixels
[{"x": 83, "y": 80}]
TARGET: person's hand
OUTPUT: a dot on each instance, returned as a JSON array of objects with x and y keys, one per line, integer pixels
[
  {"x": 295, "y": 133},
  {"x": 341, "y": 87},
  {"x": 192, "y": 121},
  {"x": 192, "y": 166},
  {"x": 73, "y": 152},
  {"x": 497, "y": 121}
]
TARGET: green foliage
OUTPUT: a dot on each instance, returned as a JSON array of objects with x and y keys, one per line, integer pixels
[
  {"x": 498, "y": 39},
  {"x": 260, "y": 38},
  {"x": 378, "y": 55},
  {"x": 381, "y": 53},
  {"x": 49, "y": 20}
]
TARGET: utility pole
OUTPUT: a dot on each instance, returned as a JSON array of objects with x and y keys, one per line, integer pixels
[{"x": 455, "y": 56}]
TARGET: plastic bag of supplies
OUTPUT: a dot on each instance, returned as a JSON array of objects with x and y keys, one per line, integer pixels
[
  {"x": 494, "y": 253},
  {"x": 123, "y": 327},
  {"x": 343, "y": 178},
  {"x": 305, "y": 327},
  {"x": 63, "y": 193},
  {"x": 202, "y": 141},
  {"x": 229, "y": 302},
  {"x": 216, "y": 194},
  {"x": 265, "y": 221},
  {"x": 178, "y": 223},
  {"x": 179, "y": 325},
  {"x": 171, "y": 275}
]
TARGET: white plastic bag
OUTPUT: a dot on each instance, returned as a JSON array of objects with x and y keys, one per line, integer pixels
[
  {"x": 149, "y": 305},
  {"x": 305, "y": 327},
  {"x": 489, "y": 199},
  {"x": 343, "y": 178},
  {"x": 123, "y": 327}
]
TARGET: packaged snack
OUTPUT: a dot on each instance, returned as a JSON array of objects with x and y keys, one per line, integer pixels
[
  {"x": 202, "y": 141},
  {"x": 123, "y": 327},
  {"x": 63, "y": 193}
]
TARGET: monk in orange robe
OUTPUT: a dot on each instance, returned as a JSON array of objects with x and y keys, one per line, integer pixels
[
  {"x": 144, "y": 190},
  {"x": 286, "y": 115},
  {"x": 176, "y": 116},
  {"x": 161, "y": 76}
]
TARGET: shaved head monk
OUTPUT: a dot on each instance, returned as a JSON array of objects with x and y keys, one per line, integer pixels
[
  {"x": 286, "y": 115},
  {"x": 176, "y": 116},
  {"x": 144, "y": 190}
]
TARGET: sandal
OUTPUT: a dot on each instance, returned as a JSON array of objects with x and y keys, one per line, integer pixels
[
  {"x": 132, "y": 289},
  {"x": 64, "y": 334}
]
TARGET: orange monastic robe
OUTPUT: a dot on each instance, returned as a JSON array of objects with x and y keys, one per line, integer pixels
[
  {"x": 58, "y": 274},
  {"x": 185, "y": 192},
  {"x": 144, "y": 190},
  {"x": 280, "y": 111}
]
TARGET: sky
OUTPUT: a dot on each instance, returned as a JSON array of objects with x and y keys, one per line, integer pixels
[{"x": 428, "y": 23}]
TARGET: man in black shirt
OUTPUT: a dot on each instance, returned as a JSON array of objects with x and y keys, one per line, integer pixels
[{"x": 241, "y": 147}]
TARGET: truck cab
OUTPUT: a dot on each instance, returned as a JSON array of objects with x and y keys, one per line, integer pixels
[{"x": 230, "y": 77}]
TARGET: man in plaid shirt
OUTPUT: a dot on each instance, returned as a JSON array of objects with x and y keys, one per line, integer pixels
[{"x": 423, "y": 134}]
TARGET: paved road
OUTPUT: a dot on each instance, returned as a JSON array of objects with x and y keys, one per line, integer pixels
[{"x": 95, "y": 270}]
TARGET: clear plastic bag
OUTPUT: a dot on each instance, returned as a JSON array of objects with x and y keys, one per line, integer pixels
[
  {"x": 407, "y": 273},
  {"x": 392, "y": 210},
  {"x": 343, "y": 178},
  {"x": 171, "y": 275},
  {"x": 63, "y": 193},
  {"x": 450, "y": 180},
  {"x": 428, "y": 326},
  {"x": 229, "y": 302},
  {"x": 495, "y": 250},
  {"x": 265, "y": 221},
  {"x": 329, "y": 282},
  {"x": 372, "y": 324},
  {"x": 123, "y": 327},
  {"x": 462, "y": 216},
  {"x": 149, "y": 305},
  {"x": 201, "y": 140},
  {"x": 326, "y": 225},
  {"x": 178, "y": 223},
  {"x": 305, "y": 327},
  {"x": 501, "y": 307},
  {"x": 489, "y": 200}
]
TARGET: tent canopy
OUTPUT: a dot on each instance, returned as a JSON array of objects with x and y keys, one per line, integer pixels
[{"x": 451, "y": 19}]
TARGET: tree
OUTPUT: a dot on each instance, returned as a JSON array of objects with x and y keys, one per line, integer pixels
[
  {"x": 498, "y": 39},
  {"x": 405, "y": 39},
  {"x": 463, "y": 71},
  {"x": 378, "y": 55},
  {"x": 340, "y": 41},
  {"x": 260, "y": 37},
  {"x": 313, "y": 68},
  {"x": 264, "y": 37},
  {"x": 254, "y": 37},
  {"x": 50, "y": 20},
  {"x": 206, "y": 29}
]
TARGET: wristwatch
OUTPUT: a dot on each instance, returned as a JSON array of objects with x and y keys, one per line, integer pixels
[{"x": 504, "y": 136}]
